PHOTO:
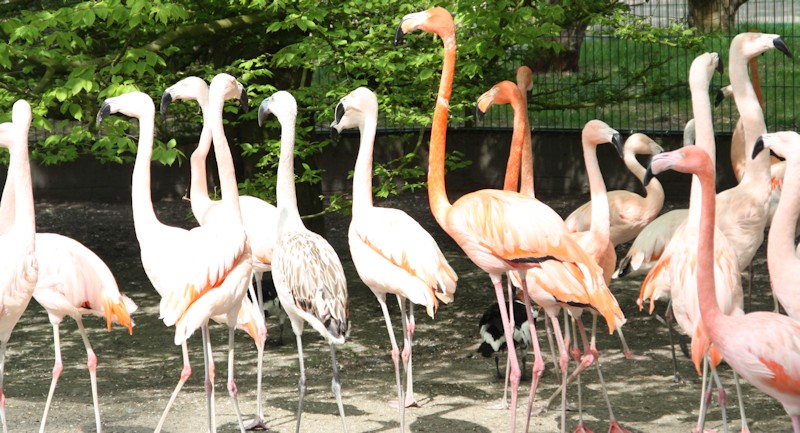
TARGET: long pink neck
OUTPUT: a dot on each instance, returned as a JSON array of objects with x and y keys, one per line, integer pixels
[
  {"x": 704, "y": 132},
  {"x": 198, "y": 191},
  {"x": 517, "y": 144},
  {"x": 751, "y": 115},
  {"x": 227, "y": 174},
  {"x": 362, "y": 175},
  {"x": 24, "y": 220},
  {"x": 437, "y": 193},
  {"x": 526, "y": 180},
  {"x": 782, "y": 260},
  {"x": 142, "y": 201},
  {"x": 709, "y": 309},
  {"x": 654, "y": 198},
  {"x": 600, "y": 225}
]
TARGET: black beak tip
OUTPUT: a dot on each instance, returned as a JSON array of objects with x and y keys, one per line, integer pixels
[
  {"x": 721, "y": 67},
  {"x": 104, "y": 112},
  {"x": 338, "y": 113},
  {"x": 334, "y": 136},
  {"x": 263, "y": 112},
  {"x": 479, "y": 114},
  {"x": 399, "y": 35},
  {"x": 719, "y": 98},
  {"x": 244, "y": 101},
  {"x": 758, "y": 146},
  {"x": 166, "y": 99},
  {"x": 781, "y": 46},
  {"x": 648, "y": 176},
  {"x": 616, "y": 140}
]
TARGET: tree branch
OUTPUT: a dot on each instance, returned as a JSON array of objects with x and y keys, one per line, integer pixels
[{"x": 204, "y": 29}]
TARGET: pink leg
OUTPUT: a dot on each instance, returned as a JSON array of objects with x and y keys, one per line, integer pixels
[
  {"x": 796, "y": 423},
  {"x": 91, "y": 364},
  {"x": 210, "y": 369},
  {"x": 58, "y": 366},
  {"x": 395, "y": 358},
  {"x": 233, "y": 391},
  {"x": 258, "y": 422},
  {"x": 409, "y": 326},
  {"x": 538, "y": 362},
  {"x": 186, "y": 371},
  {"x": 497, "y": 282},
  {"x": 2, "y": 394}
]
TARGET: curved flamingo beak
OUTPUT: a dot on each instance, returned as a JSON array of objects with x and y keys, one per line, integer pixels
[
  {"x": 616, "y": 140},
  {"x": 263, "y": 111},
  {"x": 166, "y": 99},
  {"x": 337, "y": 117},
  {"x": 781, "y": 46},
  {"x": 104, "y": 112}
]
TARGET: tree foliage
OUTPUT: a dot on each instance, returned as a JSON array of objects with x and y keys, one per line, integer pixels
[{"x": 66, "y": 56}]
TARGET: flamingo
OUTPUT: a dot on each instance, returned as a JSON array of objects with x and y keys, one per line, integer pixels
[
  {"x": 307, "y": 273},
  {"x": 674, "y": 274},
  {"x": 392, "y": 253},
  {"x": 258, "y": 216},
  {"x": 781, "y": 258},
  {"x": 199, "y": 273},
  {"x": 629, "y": 211},
  {"x": 19, "y": 271},
  {"x": 650, "y": 243},
  {"x": 492, "y": 227},
  {"x": 763, "y": 347}
]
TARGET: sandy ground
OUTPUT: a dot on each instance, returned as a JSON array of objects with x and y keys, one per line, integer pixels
[{"x": 455, "y": 386}]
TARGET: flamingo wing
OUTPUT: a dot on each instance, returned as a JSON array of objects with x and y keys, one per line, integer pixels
[{"x": 396, "y": 244}]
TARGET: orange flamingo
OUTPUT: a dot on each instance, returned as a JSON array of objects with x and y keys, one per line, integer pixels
[
  {"x": 307, "y": 273},
  {"x": 491, "y": 226},
  {"x": 199, "y": 273},
  {"x": 258, "y": 216},
  {"x": 392, "y": 253},
  {"x": 763, "y": 347},
  {"x": 674, "y": 274},
  {"x": 629, "y": 212},
  {"x": 19, "y": 271},
  {"x": 782, "y": 260}
]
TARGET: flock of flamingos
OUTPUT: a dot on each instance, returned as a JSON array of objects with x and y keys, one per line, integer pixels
[{"x": 693, "y": 257}]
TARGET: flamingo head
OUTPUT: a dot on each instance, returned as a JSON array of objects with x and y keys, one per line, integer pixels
[
  {"x": 784, "y": 144},
  {"x": 132, "y": 104},
  {"x": 435, "y": 20},
  {"x": 230, "y": 89},
  {"x": 722, "y": 93},
  {"x": 525, "y": 78},
  {"x": 597, "y": 132},
  {"x": 502, "y": 93},
  {"x": 688, "y": 159},
  {"x": 189, "y": 89},
  {"x": 752, "y": 44},
  {"x": 641, "y": 144},
  {"x": 353, "y": 110},
  {"x": 281, "y": 104}
]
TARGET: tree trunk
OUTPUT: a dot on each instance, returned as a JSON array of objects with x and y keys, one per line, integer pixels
[
  {"x": 566, "y": 60},
  {"x": 713, "y": 15}
]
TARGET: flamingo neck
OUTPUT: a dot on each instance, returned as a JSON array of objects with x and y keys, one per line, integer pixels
[
  {"x": 654, "y": 192},
  {"x": 709, "y": 309},
  {"x": 288, "y": 215},
  {"x": 23, "y": 208},
  {"x": 198, "y": 191},
  {"x": 782, "y": 261},
  {"x": 704, "y": 135},
  {"x": 227, "y": 174},
  {"x": 437, "y": 193},
  {"x": 751, "y": 115},
  {"x": 526, "y": 176},
  {"x": 362, "y": 176},
  {"x": 141, "y": 200},
  {"x": 600, "y": 225},
  {"x": 7, "y": 203}
]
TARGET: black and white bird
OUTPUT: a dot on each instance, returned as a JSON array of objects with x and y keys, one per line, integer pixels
[{"x": 491, "y": 331}]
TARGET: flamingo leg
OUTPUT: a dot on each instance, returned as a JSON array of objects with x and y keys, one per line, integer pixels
[
  {"x": 796, "y": 423},
  {"x": 562, "y": 365},
  {"x": 232, "y": 390},
  {"x": 91, "y": 364},
  {"x": 58, "y": 366},
  {"x": 208, "y": 360},
  {"x": 408, "y": 334},
  {"x": 258, "y": 422},
  {"x": 504, "y": 403},
  {"x": 185, "y": 373},
  {"x": 2, "y": 394},
  {"x": 705, "y": 398},
  {"x": 722, "y": 399},
  {"x": 395, "y": 359},
  {"x": 336, "y": 386},
  {"x": 745, "y": 428},
  {"x": 497, "y": 282},
  {"x": 548, "y": 327},
  {"x": 668, "y": 319},
  {"x": 538, "y": 362},
  {"x": 301, "y": 385}
]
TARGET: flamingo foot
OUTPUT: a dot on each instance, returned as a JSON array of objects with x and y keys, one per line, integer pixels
[
  {"x": 582, "y": 428},
  {"x": 499, "y": 405},
  {"x": 614, "y": 427},
  {"x": 630, "y": 356},
  {"x": 256, "y": 424},
  {"x": 410, "y": 402},
  {"x": 696, "y": 429}
]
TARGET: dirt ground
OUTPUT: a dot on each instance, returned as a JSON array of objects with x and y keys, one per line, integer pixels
[{"x": 454, "y": 384}]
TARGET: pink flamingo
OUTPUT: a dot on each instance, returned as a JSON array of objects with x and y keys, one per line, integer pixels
[
  {"x": 20, "y": 270},
  {"x": 307, "y": 273},
  {"x": 782, "y": 261},
  {"x": 258, "y": 216},
  {"x": 674, "y": 274},
  {"x": 392, "y": 253},
  {"x": 629, "y": 212},
  {"x": 199, "y": 273},
  {"x": 491, "y": 226},
  {"x": 762, "y": 347}
]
